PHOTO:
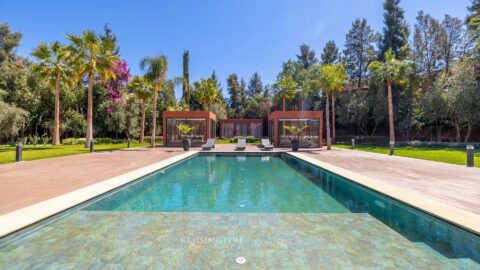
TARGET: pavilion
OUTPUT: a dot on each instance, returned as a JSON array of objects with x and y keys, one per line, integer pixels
[
  {"x": 203, "y": 124},
  {"x": 311, "y": 137}
]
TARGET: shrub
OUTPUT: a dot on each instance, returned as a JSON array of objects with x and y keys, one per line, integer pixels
[
  {"x": 250, "y": 139},
  {"x": 77, "y": 141}
]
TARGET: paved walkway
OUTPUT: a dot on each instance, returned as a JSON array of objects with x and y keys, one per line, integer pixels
[
  {"x": 31, "y": 182},
  {"x": 452, "y": 184}
]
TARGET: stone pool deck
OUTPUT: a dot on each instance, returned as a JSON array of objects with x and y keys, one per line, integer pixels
[{"x": 31, "y": 182}]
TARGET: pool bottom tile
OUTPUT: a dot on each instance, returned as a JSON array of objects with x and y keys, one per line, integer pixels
[{"x": 151, "y": 240}]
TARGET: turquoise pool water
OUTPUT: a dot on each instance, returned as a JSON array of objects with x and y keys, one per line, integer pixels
[{"x": 275, "y": 210}]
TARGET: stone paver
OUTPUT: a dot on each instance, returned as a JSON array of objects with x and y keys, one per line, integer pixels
[
  {"x": 455, "y": 185},
  {"x": 30, "y": 182}
]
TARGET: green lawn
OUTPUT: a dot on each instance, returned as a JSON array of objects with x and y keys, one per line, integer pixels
[
  {"x": 454, "y": 156},
  {"x": 7, "y": 153}
]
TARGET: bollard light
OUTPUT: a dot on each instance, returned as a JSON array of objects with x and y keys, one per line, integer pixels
[
  {"x": 392, "y": 148},
  {"x": 18, "y": 152},
  {"x": 470, "y": 156},
  {"x": 92, "y": 146},
  {"x": 128, "y": 142},
  {"x": 353, "y": 144}
]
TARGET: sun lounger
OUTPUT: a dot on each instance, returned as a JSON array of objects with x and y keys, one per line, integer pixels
[
  {"x": 209, "y": 144},
  {"x": 241, "y": 144},
  {"x": 266, "y": 144}
]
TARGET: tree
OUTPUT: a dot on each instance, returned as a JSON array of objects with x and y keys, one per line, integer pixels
[
  {"x": 207, "y": 93},
  {"x": 186, "y": 78},
  {"x": 330, "y": 53},
  {"x": 389, "y": 71},
  {"x": 286, "y": 89},
  {"x": 453, "y": 43},
  {"x": 395, "y": 31},
  {"x": 474, "y": 10},
  {"x": 8, "y": 42},
  {"x": 255, "y": 86},
  {"x": 359, "y": 50},
  {"x": 462, "y": 90},
  {"x": 236, "y": 99},
  {"x": 155, "y": 69},
  {"x": 306, "y": 57},
  {"x": 427, "y": 45},
  {"x": 332, "y": 79},
  {"x": 93, "y": 57},
  {"x": 55, "y": 67},
  {"x": 12, "y": 119},
  {"x": 142, "y": 88}
]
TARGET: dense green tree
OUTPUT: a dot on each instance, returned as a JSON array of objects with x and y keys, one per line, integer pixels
[
  {"x": 93, "y": 57},
  {"x": 155, "y": 69},
  {"x": 453, "y": 42},
  {"x": 462, "y": 91},
  {"x": 306, "y": 57},
  {"x": 207, "y": 93},
  {"x": 12, "y": 119},
  {"x": 255, "y": 86},
  {"x": 330, "y": 53},
  {"x": 142, "y": 89},
  {"x": 474, "y": 11},
  {"x": 427, "y": 45},
  {"x": 236, "y": 100},
  {"x": 8, "y": 42},
  {"x": 359, "y": 51},
  {"x": 395, "y": 32},
  {"x": 186, "y": 78}
]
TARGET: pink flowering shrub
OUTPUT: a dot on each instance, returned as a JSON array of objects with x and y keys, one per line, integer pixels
[{"x": 115, "y": 85}]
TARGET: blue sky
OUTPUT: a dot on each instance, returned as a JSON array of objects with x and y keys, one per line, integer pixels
[{"x": 241, "y": 36}]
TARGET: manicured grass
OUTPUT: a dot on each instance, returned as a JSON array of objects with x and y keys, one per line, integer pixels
[
  {"x": 454, "y": 156},
  {"x": 7, "y": 153}
]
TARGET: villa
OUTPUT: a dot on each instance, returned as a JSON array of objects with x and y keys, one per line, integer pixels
[{"x": 208, "y": 135}]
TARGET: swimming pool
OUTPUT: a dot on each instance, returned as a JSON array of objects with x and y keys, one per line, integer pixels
[{"x": 273, "y": 210}]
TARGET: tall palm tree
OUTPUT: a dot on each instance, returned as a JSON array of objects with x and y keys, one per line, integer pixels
[
  {"x": 207, "y": 93},
  {"x": 93, "y": 57},
  {"x": 287, "y": 89},
  {"x": 141, "y": 87},
  {"x": 332, "y": 79},
  {"x": 55, "y": 67},
  {"x": 155, "y": 69},
  {"x": 390, "y": 71}
]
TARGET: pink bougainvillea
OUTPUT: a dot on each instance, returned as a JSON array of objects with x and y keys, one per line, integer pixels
[{"x": 122, "y": 76}]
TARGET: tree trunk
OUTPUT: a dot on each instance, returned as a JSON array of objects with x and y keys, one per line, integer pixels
[
  {"x": 283, "y": 103},
  {"x": 301, "y": 109},
  {"x": 333, "y": 118},
  {"x": 89, "y": 136},
  {"x": 458, "y": 137},
  {"x": 327, "y": 116},
  {"x": 390, "y": 112},
  {"x": 142, "y": 122},
  {"x": 154, "y": 115},
  {"x": 438, "y": 131},
  {"x": 56, "y": 121},
  {"x": 469, "y": 131}
]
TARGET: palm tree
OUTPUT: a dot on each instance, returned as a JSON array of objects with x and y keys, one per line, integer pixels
[
  {"x": 93, "y": 56},
  {"x": 287, "y": 89},
  {"x": 332, "y": 79},
  {"x": 155, "y": 69},
  {"x": 390, "y": 71},
  {"x": 141, "y": 87},
  {"x": 207, "y": 93},
  {"x": 55, "y": 67}
]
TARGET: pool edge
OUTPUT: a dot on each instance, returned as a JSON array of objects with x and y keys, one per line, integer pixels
[
  {"x": 459, "y": 217},
  {"x": 24, "y": 217}
]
